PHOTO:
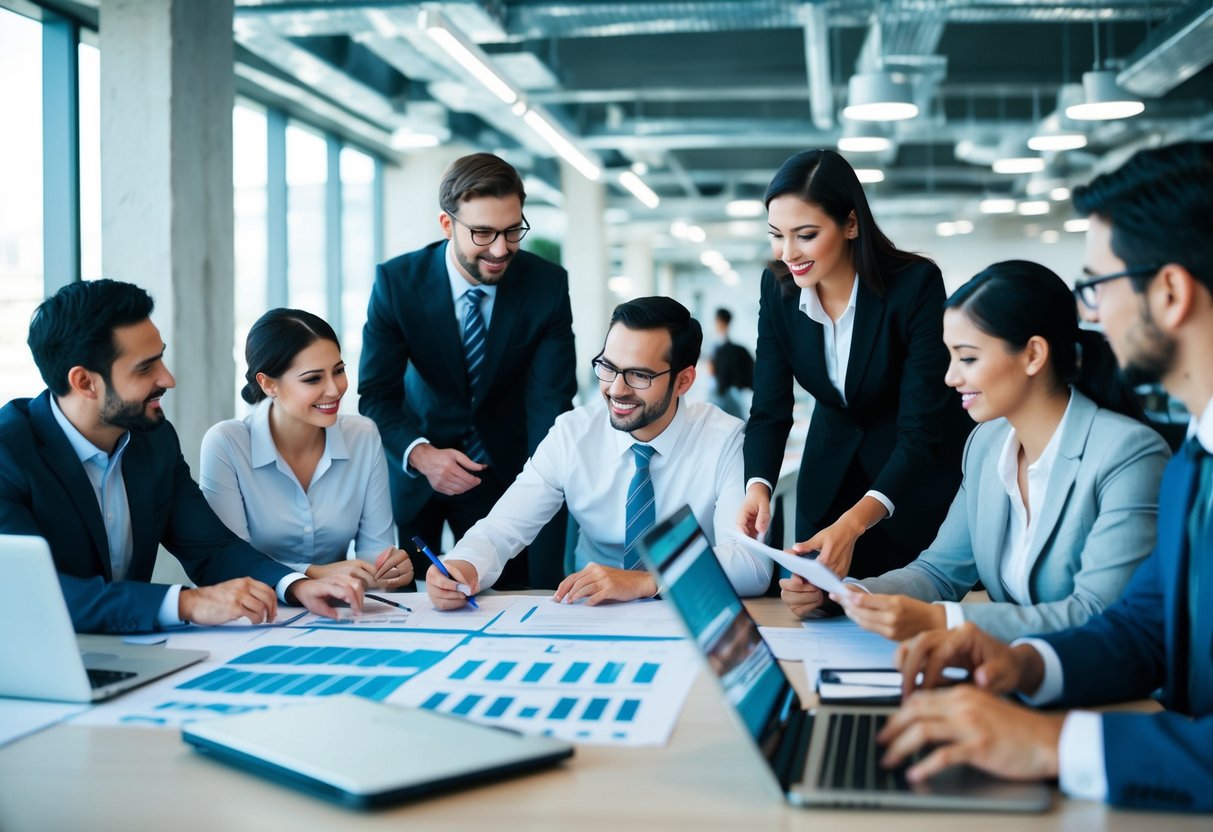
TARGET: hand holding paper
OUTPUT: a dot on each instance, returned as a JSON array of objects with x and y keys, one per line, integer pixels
[{"x": 807, "y": 568}]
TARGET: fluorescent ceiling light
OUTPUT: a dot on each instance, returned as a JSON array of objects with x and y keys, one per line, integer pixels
[
  {"x": 869, "y": 175},
  {"x": 638, "y": 189},
  {"x": 680, "y": 229},
  {"x": 1059, "y": 194},
  {"x": 731, "y": 277},
  {"x": 964, "y": 227},
  {"x": 1103, "y": 99},
  {"x": 1057, "y": 141},
  {"x": 864, "y": 144},
  {"x": 467, "y": 54},
  {"x": 696, "y": 234},
  {"x": 745, "y": 208},
  {"x": 1019, "y": 164},
  {"x": 875, "y": 96},
  {"x": 1076, "y": 226},
  {"x": 408, "y": 139},
  {"x": 1049, "y": 236},
  {"x": 563, "y": 146},
  {"x": 620, "y": 285},
  {"x": 711, "y": 256},
  {"x": 945, "y": 229},
  {"x": 997, "y": 205},
  {"x": 1033, "y": 207}
]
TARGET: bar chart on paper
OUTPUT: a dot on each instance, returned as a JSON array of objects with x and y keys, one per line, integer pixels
[{"x": 627, "y": 693}]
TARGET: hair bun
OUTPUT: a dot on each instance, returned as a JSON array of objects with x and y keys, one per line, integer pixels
[{"x": 252, "y": 392}]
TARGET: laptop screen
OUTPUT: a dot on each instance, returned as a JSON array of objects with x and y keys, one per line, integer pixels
[{"x": 698, "y": 588}]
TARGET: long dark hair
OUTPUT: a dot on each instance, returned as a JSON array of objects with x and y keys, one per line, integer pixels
[
  {"x": 273, "y": 342},
  {"x": 825, "y": 179},
  {"x": 1017, "y": 299}
]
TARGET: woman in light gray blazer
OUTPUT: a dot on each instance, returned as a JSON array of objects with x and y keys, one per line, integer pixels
[{"x": 1060, "y": 492}]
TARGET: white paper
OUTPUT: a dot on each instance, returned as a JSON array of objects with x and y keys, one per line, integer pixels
[
  {"x": 586, "y": 691},
  {"x": 830, "y": 642},
  {"x": 541, "y": 615},
  {"x": 378, "y": 616},
  {"x": 21, "y": 717},
  {"x": 807, "y": 568}
]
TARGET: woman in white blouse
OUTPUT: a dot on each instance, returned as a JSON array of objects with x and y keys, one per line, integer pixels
[
  {"x": 1060, "y": 493},
  {"x": 295, "y": 479}
]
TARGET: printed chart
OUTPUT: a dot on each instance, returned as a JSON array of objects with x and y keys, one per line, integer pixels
[
  {"x": 540, "y": 615},
  {"x": 627, "y": 693},
  {"x": 419, "y": 615}
]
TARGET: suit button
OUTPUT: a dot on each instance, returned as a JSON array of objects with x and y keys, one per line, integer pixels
[{"x": 307, "y": 528}]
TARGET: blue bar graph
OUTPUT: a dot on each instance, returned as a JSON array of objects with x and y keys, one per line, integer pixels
[
  {"x": 227, "y": 680},
  {"x": 500, "y": 671},
  {"x": 434, "y": 701},
  {"x": 609, "y": 673},
  {"x": 465, "y": 707},
  {"x": 535, "y": 672},
  {"x": 349, "y": 656},
  {"x": 466, "y": 669},
  {"x": 646, "y": 673},
  {"x": 594, "y": 710},
  {"x": 563, "y": 708},
  {"x": 575, "y": 672},
  {"x": 627, "y": 711},
  {"x": 499, "y": 707},
  {"x": 527, "y": 713}
]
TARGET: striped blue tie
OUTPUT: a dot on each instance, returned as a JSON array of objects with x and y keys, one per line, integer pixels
[
  {"x": 473, "y": 351},
  {"x": 641, "y": 506}
]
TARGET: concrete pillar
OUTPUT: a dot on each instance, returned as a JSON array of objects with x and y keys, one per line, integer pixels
[
  {"x": 167, "y": 214},
  {"x": 638, "y": 265},
  {"x": 410, "y": 199},
  {"x": 585, "y": 255}
]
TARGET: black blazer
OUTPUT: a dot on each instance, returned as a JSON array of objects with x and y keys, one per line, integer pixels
[
  {"x": 901, "y": 425},
  {"x": 45, "y": 491},
  {"x": 412, "y": 379}
]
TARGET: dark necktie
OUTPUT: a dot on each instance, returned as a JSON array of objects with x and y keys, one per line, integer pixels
[
  {"x": 1198, "y": 551},
  {"x": 473, "y": 351},
  {"x": 641, "y": 512}
]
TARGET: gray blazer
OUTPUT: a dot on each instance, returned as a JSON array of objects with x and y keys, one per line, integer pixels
[{"x": 1097, "y": 526}]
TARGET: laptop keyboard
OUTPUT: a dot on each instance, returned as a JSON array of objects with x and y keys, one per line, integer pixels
[
  {"x": 101, "y": 678},
  {"x": 852, "y": 757}
]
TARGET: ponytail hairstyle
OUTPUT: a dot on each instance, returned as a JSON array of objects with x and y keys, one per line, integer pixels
[
  {"x": 1017, "y": 299},
  {"x": 273, "y": 342}
]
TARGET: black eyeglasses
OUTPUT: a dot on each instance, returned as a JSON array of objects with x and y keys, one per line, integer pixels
[
  {"x": 636, "y": 379},
  {"x": 488, "y": 236},
  {"x": 1086, "y": 292}
]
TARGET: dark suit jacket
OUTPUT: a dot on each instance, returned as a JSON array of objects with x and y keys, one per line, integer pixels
[
  {"x": 1140, "y": 643},
  {"x": 901, "y": 428},
  {"x": 45, "y": 491},
  {"x": 732, "y": 367},
  {"x": 413, "y": 376}
]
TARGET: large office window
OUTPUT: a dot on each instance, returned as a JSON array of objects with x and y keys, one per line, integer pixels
[
  {"x": 20, "y": 199},
  {"x": 306, "y": 175},
  {"x": 90, "y": 161},
  {"x": 358, "y": 253}
]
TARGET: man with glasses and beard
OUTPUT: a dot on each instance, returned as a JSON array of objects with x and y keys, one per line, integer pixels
[
  {"x": 620, "y": 464},
  {"x": 93, "y": 466},
  {"x": 467, "y": 359},
  {"x": 1149, "y": 283}
]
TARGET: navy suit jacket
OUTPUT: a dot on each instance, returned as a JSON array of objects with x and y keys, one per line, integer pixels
[
  {"x": 45, "y": 491},
  {"x": 1139, "y": 644},
  {"x": 412, "y": 379},
  {"x": 900, "y": 424}
]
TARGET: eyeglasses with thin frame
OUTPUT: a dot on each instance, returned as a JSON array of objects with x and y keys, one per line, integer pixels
[
  {"x": 488, "y": 236},
  {"x": 636, "y": 379},
  {"x": 1085, "y": 290}
]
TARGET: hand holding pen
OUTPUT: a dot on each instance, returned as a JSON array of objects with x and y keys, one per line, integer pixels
[{"x": 459, "y": 587}]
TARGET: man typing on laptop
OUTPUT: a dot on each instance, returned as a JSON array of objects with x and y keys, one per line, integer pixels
[{"x": 93, "y": 466}]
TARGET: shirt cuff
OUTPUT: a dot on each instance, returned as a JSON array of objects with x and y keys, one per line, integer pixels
[
  {"x": 286, "y": 582},
  {"x": 1052, "y": 683},
  {"x": 753, "y": 480},
  {"x": 1080, "y": 757},
  {"x": 408, "y": 469},
  {"x": 884, "y": 501},
  {"x": 169, "y": 614},
  {"x": 955, "y": 616}
]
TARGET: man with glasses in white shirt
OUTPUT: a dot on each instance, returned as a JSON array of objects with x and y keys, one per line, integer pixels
[{"x": 621, "y": 464}]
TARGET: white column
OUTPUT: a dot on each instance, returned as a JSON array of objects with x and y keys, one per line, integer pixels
[
  {"x": 585, "y": 255},
  {"x": 167, "y": 92},
  {"x": 410, "y": 199},
  {"x": 638, "y": 265}
]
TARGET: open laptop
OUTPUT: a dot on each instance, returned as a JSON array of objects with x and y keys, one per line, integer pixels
[
  {"x": 41, "y": 657},
  {"x": 825, "y": 757}
]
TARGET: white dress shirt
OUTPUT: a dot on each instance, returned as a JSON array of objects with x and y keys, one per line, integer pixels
[
  {"x": 588, "y": 464},
  {"x": 1013, "y": 565},
  {"x": 459, "y": 288},
  {"x": 257, "y": 495},
  {"x": 1080, "y": 752}
]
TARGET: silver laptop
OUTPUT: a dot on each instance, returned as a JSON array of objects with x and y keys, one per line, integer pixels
[
  {"x": 41, "y": 657},
  {"x": 825, "y": 757}
]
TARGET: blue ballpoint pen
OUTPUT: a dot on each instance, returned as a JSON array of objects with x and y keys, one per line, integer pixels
[{"x": 425, "y": 550}]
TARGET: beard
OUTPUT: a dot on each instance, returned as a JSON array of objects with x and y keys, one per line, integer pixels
[
  {"x": 472, "y": 267},
  {"x": 132, "y": 416},
  {"x": 1150, "y": 354},
  {"x": 642, "y": 416}
]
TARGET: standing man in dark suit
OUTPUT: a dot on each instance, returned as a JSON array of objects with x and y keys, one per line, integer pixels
[
  {"x": 1149, "y": 282},
  {"x": 732, "y": 369},
  {"x": 93, "y": 466},
  {"x": 467, "y": 357}
]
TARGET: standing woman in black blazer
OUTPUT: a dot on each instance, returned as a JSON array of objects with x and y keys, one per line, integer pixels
[{"x": 858, "y": 323}]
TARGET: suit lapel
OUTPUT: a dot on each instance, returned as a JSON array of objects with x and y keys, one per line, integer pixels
[
  {"x": 808, "y": 342},
  {"x": 869, "y": 312},
  {"x": 139, "y": 478},
  {"x": 440, "y": 316},
  {"x": 991, "y": 532},
  {"x": 1187, "y": 483},
  {"x": 67, "y": 468},
  {"x": 506, "y": 306}
]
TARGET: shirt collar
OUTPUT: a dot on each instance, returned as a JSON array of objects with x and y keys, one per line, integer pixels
[
  {"x": 262, "y": 450},
  {"x": 459, "y": 283},
  {"x": 86, "y": 451},
  {"x": 810, "y": 303},
  {"x": 1008, "y": 462},
  {"x": 1202, "y": 428},
  {"x": 663, "y": 442}
]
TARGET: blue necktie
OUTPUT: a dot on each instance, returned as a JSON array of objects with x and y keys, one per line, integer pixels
[
  {"x": 1198, "y": 551},
  {"x": 641, "y": 507},
  {"x": 473, "y": 351}
]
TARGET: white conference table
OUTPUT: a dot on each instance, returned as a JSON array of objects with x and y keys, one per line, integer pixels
[{"x": 73, "y": 778}]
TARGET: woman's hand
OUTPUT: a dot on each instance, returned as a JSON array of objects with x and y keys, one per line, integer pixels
[
  {"x": 896, "y": 617},
  {"x": 755, "y": 516},
  {"x": 393, "y": 569},
  {"x": 359, "y": 569},
  {"x": 836, "y": 544},
  {"x": 800, "y": 596}
]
